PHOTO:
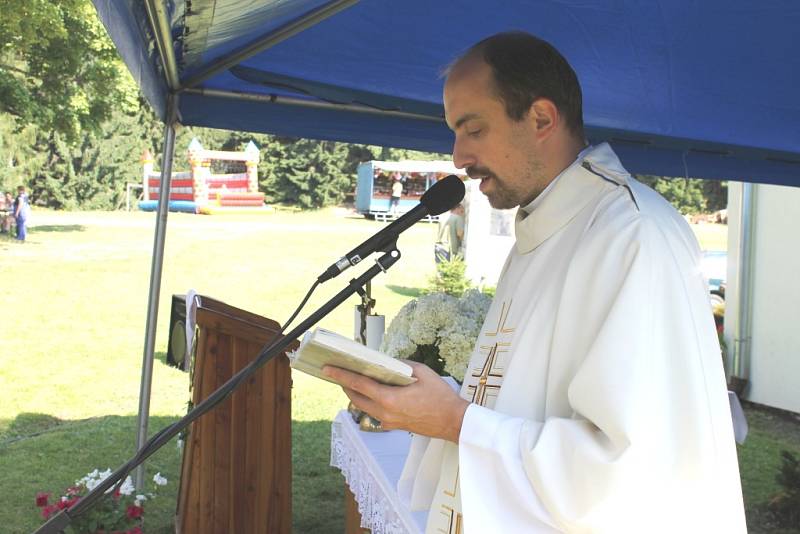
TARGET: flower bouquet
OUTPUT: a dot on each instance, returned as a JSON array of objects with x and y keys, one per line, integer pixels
[
  {"x": 438, "y": 330},
  {"x": 122, "y": 513}
]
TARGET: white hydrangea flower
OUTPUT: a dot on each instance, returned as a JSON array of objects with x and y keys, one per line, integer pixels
[
  {"x": 396, "y": 342},
  {"x": 434, "y": 313},
  {"x": 452, "y": 324},
  {"x": 475, "y": 305},
  {"x": 456, "y": 345},
  {"x": 159, "y": 480}
]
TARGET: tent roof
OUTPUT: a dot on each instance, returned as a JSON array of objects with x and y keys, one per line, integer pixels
[{"x": 679, "y": 88}]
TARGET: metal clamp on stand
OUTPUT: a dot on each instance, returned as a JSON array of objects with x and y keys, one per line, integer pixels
[{"x": 368, "y": 326}]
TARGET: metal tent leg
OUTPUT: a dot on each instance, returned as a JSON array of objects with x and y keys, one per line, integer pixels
[{"x": 155, "y": 289}]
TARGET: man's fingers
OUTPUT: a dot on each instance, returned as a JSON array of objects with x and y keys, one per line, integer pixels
[
  {"x": 365, "y": 404},
  {"x": 360, "y": 383},
  {"x": 358, "y": 399}
]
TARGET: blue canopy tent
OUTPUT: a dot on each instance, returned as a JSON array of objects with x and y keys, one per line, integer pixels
[{"x": 679, "y": 88}]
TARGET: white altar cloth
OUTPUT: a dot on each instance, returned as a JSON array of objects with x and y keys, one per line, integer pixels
[{"x": 371, "y": 463}]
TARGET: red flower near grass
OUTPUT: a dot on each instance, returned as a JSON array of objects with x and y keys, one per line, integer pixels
[
  {"x": 134, "y": 512},
  {"x": 48, "y": 510},
  {"x": 121, "y": 511},
  {"x": 41, "y": 499}
]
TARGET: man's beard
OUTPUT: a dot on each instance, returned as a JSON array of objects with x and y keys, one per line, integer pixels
[
  {"x": 500, "y": 197},
  {"x": 507, "y": 194}
]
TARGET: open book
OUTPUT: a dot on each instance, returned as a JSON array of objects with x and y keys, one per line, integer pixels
[{"x": 322, "y": 347}]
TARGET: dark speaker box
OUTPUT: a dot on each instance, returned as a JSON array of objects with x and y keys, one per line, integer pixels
[{"x": 176, "y": 348}]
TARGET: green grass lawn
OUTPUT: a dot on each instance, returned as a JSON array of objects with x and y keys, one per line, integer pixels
[
  {"x": 74, "y": 308},
  {"x": 75, "y": 300}
]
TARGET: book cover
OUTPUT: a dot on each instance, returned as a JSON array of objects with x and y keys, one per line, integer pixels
[{"x": 320, "y": 347}]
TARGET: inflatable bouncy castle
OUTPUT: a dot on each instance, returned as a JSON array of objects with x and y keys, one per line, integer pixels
[{"x": 201, "y": 191}]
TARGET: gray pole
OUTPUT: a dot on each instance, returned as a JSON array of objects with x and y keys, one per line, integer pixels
[
  {"x": 155, "y": 284},
  {"x": 743, "y": 333}
]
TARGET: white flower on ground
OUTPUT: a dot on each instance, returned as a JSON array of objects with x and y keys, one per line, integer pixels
[
  {"x": 127, "y": 487},
  {"x": 159, "y": 480}
]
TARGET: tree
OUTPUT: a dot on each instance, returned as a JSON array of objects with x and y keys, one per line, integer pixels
[
  {"x": 686, "y": 195},
  {"x": 716, "y": 194},
  {"x": 19, "y": 157},
  {"x": 92, "y": 173},
  {"x": 58, "y": 68},
  {"x": 305, "y": 172}
]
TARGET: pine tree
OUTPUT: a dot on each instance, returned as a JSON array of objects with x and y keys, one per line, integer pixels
[{"x": 304, "y": 172}]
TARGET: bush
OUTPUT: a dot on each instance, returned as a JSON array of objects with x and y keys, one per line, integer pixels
[{"x": 450, "y": 278}]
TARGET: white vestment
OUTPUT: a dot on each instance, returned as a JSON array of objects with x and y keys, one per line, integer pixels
[{"x": 598, "y": 396}]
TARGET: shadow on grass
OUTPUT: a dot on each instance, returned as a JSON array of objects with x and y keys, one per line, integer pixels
[
  {"x": 49, "y": 454},
  {"x": 405, "y": 291},
  {"x": 58, "y": 228},
  {"x": 26, "y": 425},
  {"x": 161, "y": 357},
  {"x": 6, "y": 238},
  {"x": 317, "y": 488}
]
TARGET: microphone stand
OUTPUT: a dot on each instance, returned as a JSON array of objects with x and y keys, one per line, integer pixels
[{"x": 58, "y": 522}]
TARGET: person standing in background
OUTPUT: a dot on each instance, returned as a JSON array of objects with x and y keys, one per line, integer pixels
[
  {"x": 397, "y": 192},
  {"x": 453, "y": 228},
  {"x": 21, "y": 211}
]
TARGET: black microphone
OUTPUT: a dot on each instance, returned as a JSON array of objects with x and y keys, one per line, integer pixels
[{"x": 440, "y": 197}]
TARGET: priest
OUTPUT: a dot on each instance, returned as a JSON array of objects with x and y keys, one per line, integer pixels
[{"x": 595, "y": 398}]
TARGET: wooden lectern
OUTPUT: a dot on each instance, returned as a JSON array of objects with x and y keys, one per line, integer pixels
[{"x": 236, "y": 474}]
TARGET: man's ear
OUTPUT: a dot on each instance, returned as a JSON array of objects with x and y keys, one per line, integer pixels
[{"x": 544, "y": 117}]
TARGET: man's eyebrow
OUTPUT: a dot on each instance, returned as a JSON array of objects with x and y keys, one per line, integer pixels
[{"x": 468, "y": 117}]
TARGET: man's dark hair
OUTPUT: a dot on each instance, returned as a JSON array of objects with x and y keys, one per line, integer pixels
[{"x": 526, "y": 68}]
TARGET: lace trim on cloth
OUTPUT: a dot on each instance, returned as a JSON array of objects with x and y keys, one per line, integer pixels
[{"x": 377, "y": 501}]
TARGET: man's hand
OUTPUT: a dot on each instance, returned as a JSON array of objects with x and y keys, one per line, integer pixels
[{"x": 429, "y": 406}]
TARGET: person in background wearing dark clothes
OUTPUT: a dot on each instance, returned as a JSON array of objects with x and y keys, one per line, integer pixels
[{"x": 21, "y": 211}]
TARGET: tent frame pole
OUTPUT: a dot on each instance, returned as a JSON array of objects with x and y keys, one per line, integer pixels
[
  {"x": 155, "y": 283},
  {"x": 162, "y": 33},
  {"x": 743, "y": 333},
  {"x": 306, "y": 103}
]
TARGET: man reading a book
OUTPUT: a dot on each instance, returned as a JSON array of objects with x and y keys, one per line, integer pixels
[{"x": 595, "y": 399}]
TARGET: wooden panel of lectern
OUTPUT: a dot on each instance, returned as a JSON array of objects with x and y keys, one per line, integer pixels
[{"x": 236, "y": 474}]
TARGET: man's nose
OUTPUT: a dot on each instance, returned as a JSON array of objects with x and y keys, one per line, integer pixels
[{"x": 462, "y": 158}]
